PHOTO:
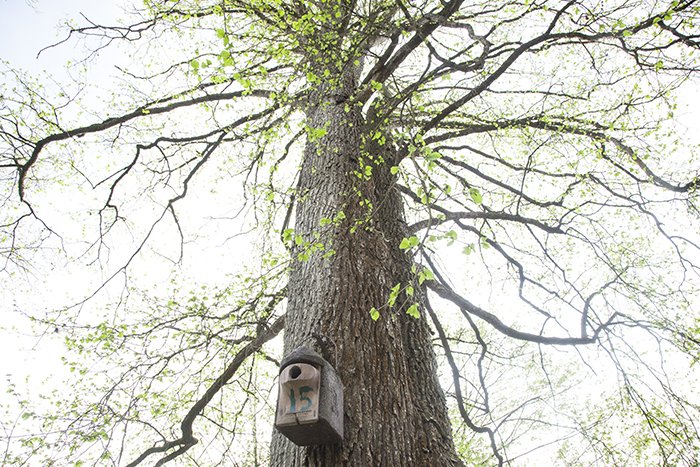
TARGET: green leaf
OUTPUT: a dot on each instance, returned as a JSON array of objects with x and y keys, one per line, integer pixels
[
  {"x": 409, "y": 290},
  {"x": 476, "y": 196},
  {"x": 374, "y": 313},
  {"x": 220, "y": 33},
  {"x": 394, "y": 170},
  {"x": 407, "y": 243},
  {"x": 413, "y": 311},
  {"x": 394, "y": 294}
]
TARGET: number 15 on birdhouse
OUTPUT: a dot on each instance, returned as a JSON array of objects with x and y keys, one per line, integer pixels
[{"x": 299, "y": 395}]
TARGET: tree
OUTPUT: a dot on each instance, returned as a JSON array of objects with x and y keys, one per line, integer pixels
[{"x": 378, "y": 146}]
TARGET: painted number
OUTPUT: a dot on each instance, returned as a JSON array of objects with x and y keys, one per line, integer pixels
[{"x": 302, "y": 390}]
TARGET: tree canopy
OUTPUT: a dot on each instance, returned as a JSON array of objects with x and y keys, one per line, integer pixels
[{"x": 527, "y": 159}]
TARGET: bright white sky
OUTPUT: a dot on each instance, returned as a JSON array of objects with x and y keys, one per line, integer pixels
[{"x": 26, "y": 28}]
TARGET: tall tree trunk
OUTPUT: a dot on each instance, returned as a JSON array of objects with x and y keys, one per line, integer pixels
[{"x": 395, "y": 413}]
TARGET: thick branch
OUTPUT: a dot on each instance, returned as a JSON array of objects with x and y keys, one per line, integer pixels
[
  {"x": 622, "y": 147},
  {"x": 496, "y": 74},
  {"x": 143, "y": 111},
  {"x": 381, "y": 72},
  {"x": 450, "y": 216},
  {"x": 493, "y": 320}
]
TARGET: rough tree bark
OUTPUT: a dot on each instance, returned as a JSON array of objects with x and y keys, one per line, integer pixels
[{"x": 395, "y": 412}]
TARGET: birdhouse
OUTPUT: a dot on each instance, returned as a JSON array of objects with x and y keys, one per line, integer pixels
[{"x": 310, "y": 400}]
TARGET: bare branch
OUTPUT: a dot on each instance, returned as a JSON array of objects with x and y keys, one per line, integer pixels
[{"x": 187, "y": 440}]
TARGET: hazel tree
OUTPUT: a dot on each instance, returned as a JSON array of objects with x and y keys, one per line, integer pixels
[{"x": 489, "y": 208}]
